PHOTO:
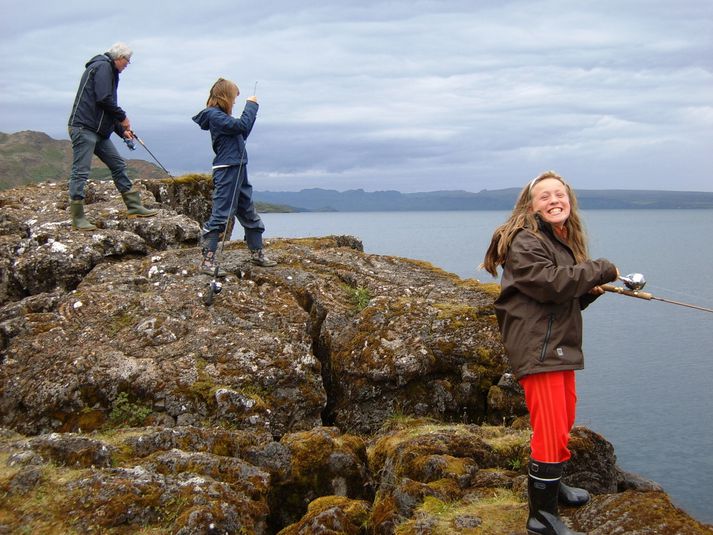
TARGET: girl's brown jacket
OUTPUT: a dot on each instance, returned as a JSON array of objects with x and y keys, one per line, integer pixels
[{"x": 542, "y": 295}]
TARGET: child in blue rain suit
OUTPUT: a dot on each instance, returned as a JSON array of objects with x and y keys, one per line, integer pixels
[{"x": 230, "y": 176}]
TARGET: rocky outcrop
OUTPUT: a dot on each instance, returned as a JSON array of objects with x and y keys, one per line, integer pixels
[
  {"x": 337, "y": 391},
  {"x": 414, "y": 476},
  {"x": 90, "y": 316}
]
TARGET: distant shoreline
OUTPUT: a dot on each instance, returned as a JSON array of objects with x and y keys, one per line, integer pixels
[
  {"x": 29, "y": 157},
  {"x": 324, "y": 200}
]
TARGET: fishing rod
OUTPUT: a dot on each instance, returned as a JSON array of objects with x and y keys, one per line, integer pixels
[
  {"x": 635, "y": 282},
  {"x": 130, "y": 144}
]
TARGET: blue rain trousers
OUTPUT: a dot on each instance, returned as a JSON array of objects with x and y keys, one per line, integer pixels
[{"x": 232, "y": 183}]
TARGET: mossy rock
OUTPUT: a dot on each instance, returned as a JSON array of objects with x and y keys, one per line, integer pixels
[{"x": 333, "y": 514}]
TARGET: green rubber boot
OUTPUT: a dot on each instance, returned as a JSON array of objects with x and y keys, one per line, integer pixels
[
  {"x": 132, "y": 199},
  {"x": 79, "y": 221}
]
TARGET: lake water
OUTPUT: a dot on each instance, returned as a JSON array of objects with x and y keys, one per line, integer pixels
[{"x": 647, "y": 385}]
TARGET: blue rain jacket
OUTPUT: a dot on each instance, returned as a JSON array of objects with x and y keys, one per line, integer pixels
[{"x": 227, "y": 133}]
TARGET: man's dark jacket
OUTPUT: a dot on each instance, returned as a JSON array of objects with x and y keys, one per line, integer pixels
[{"x": 95, "y": 106}]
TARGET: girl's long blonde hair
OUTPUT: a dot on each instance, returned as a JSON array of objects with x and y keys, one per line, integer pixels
[
  {"x": 222, "y": 95},
  {"x": 523, "y": 217}
]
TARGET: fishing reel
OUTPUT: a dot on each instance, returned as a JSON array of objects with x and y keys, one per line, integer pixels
[
  {"x": 130, "y": 143},
  {"x": 214, "y": 288},
  {"x": 634, "y": 281}
]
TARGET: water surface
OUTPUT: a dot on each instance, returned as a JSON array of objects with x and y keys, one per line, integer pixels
[{"x": 647, "y": 385}]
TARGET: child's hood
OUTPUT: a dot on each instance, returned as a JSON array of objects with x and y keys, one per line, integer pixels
[{"x": 203, "y": 118}]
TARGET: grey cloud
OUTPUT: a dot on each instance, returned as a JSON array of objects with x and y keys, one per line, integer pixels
[{"x": 393, "y": 95}]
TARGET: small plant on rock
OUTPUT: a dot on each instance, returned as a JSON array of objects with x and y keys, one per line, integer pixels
[
  {"x": 359, "y": 296},
  {"x": 125, "y": 413},
  {"x": 515, "y": 464}
]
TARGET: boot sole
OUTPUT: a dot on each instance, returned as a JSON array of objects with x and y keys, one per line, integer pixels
[
  {"x": 134, "y": 216},
  {"x": 85, "y": 229},
  {"x": 220, "y": 275}
]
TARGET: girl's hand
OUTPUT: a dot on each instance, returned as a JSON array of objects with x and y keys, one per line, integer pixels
[
  {"x": 597, "y": 290},
  {"x": 252, "y": 99}
]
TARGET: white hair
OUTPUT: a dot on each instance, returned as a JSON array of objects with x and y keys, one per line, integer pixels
[{"x": 119, "y": 50}]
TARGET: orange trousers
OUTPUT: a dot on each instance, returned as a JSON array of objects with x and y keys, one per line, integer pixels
[{"x": 551, "y": 399}]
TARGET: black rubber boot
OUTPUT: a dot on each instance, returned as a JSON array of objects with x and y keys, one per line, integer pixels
[
  {"x": 543, "y": 484},
  {"x": 79, "y": 221},
  {"x": 132, "y": 200},
  {"x": 573, "y": 496}
]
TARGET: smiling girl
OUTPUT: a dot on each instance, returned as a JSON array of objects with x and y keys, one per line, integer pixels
[{"x": 547, "y": 281}]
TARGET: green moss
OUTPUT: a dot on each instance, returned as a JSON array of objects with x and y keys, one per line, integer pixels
[
  {"x": 120, "y": 322},
  {"x": 445, "y": 487},
  {"x": 86, "y": 420},
  {"x": 456, "y": 465},
  {"x": 365, "y": 340},
  {"x": 502, "y": 512},
  {"x": 427, "y": 266},
  {"x": 387, "y": 445},
  {"x": 356, "y": 511},
  {"x": 383, "y": 510},
  {"x": 491, "y": 288},
  {"x": 201, "y": 390},
  {"x": 484, "y": 353},
  {"x": 512, "y": 447},
  {"x": 310, "y": 452},
  {"x": 398, "y": 420},
  {"x": 435, "y": 507},
  {"x": 105, "y": 504},
  {"x": 257, "y": 393},
  {"x": 42, "y": 510},
  {"x": 451, "y": 311},
  {"x": 189, "y": 178}
]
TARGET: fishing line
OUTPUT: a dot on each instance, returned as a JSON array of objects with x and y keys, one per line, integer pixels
[
  {"x": 667, "y": 290},
  {"x": 635, "y": 282}
]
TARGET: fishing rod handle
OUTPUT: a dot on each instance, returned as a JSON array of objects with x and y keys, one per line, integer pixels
[{"x": 624, "y": 291}]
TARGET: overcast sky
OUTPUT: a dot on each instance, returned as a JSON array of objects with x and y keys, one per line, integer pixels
[{"x": 407, "y": 95}]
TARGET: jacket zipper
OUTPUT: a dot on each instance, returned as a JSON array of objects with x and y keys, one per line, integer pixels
[
  {"x": 550, "y": 321},
  {"x": 81, "y": 94},
  {"x": 99, "y": 126}
]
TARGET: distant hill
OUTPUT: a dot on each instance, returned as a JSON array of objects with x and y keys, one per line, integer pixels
[
  {"x": 323, "y": 200},
  {"x": 27, "y": 157}
]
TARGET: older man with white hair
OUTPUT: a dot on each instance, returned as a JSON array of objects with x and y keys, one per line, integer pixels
[{"x": 95, "y": 115}]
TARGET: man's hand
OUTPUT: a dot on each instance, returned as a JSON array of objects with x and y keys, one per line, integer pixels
[{"x": 126, "y": 125}]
